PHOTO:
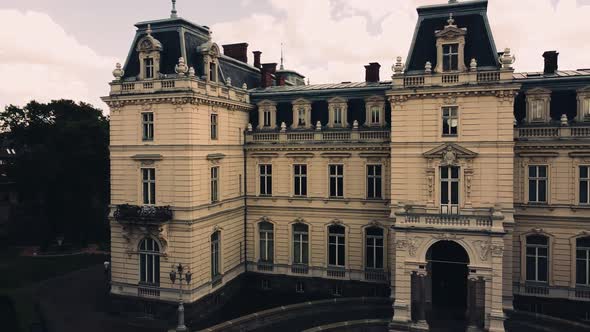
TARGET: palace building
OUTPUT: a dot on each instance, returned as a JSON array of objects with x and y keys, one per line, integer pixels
[{"x": 457, "y": 187}]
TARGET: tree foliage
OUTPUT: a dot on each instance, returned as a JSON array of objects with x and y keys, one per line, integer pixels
[{"x": 61, "y": 170}]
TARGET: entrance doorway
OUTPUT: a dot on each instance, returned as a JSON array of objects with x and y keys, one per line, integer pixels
[{"x": 447, "y": 268}]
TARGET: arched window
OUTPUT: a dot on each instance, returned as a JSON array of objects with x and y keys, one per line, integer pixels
[
  {"x": 149, "y": 262},
  {"x": 300, "y": 244},
  {"x": 336, "y": 246},
  {"x": 537, "y": 258},
  {"x": 266, "y": 233},
  {"x": 583, "y": 261},
  {"x": 374, "y": 248},
  {"x": 215, "y": 244}
]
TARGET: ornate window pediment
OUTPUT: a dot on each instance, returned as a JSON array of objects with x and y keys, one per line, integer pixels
[
  {"x": 584, "y": 104},
  {"x": 149, "y": 49},
  {"x": 301, "y": 113},
  {"x": 450, "y": 154},
  {"x": 375, "y": 111},
  {"x": 267, "y": 114},
  {"x": 538, "y": 101},
  {"x": 450, "y": 48},
  {"x": 337, "y": 108}
]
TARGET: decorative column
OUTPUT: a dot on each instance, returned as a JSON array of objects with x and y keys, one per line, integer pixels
[
  {"x": 419, "y": 303},
  {"x": 472, "y": 310}
]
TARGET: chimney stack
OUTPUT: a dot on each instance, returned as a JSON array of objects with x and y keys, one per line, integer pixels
[
  {"x": 237, "y": 51},
  {"x": 372, "y": 72},
  {"x": 551, "y": 63},
  {"x": 268, "y": 73},
  {"x": 257, "y": 59}
]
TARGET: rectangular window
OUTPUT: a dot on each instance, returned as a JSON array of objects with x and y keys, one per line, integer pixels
[
  {"x": 336, "y": 181},
  {"x": 450, "y": 121},
  {"x": 584, "y": 184},
  {"x": 537, "y": 184},
  {"x": 266, "y": 231},
  {"x": 583, "y": 261},
  {"x": 300, "y": 177},
  {"x": 450, "y": 57},
  {"x": 149, "y": 67},
  {"x": 265, "y": 180},
  {"x": 212, "y": 72},
  {"x": 586, "y": 108},
  {"x": 449, "y": 190},
  {"x": 301, "y": 115},
  {"x": 537, "y": 109},
  {"x": 215, "y": 255},
  {"x": 148, "y": 180},
  {"x": 373, "y": 181},
  {"x": 214, "y": 126},
  {"x": 374, "y": 248},
  {"x": 336, "y": 244},
  {"x": 537, "y": 258},
  {"x": 300, "y": 244},
  {"x": 375, "y": 115},
  {"x": 338, "y": 116},
  {"x": 267, "y": 120},
  {"x": 214, "y": 184},
  {"x": 147, "y": 124}
]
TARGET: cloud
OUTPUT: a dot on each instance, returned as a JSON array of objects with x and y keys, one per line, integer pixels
[
  {"x": 331, "y": 40},
  {"x": 40, "y": 60}
]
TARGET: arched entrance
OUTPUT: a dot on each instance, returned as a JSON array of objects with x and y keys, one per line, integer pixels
[{"x": 448, "y": 271}]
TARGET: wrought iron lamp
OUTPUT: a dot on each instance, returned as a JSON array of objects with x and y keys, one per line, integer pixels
[{"x": 178, "y": 272}]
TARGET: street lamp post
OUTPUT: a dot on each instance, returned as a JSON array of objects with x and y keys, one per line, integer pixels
[
  {"x": 107, "y": 275},
  {"x": 178, "y": 273}
]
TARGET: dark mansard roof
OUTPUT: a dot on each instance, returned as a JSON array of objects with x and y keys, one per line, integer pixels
[
  {"x": 181, "y": 38},
  {"x": 472, "y": 15}
]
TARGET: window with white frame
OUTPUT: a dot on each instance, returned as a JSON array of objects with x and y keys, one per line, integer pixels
[
  {"x": 266, "y": 233},
  {"x": 300, "y": 178},
  {"x": 338, "y": 116},
  {"x": 148, "y": 182},
  {"x": 375, "y": 115},
  {"x": 267, "y": 118},
  {"x": 301, "y": 115},
  {"x": 300, "y": 244},
  {"x": 147, "y": 124},
  {"x": 450, "y": 121},
  {"x": 537, "y": 258},
  {"x": 450, "y": 57},
  {"x": 537, "y": 109},
  {"x": 336, "y": 181},
  {"x": 584, "y": 185},
  {"x": 374, "y": 248},
  {"x": 373, "y": 181},
  {"x": 449, "y": 189},
  {"x": 149, "y": 67},
  {"x": 215, "y": 255},
  {"x": 583, "y": 261},
  {"x": 214, "y": 126},
  {"x": 538, "y": 184},
  {"x": 149, "y": 262},
  {"x": 214, "y": 184},
  {"x": 336, "y": 246},
  {"x": 265, "y": 180}
]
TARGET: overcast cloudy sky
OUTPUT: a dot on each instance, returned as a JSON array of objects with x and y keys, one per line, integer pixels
[{"x": 54, "y": 49}]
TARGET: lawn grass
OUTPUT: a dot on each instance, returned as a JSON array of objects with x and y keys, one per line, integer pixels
[{"x": 19, "y": 275}]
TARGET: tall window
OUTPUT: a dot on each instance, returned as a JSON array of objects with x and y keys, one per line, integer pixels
[
  {"x": 214, "y": 184},
  {"x": 586, "y": 107},
  {"x": 149, "y": 262},
  {"x": 212, "y": 72},
  {"x": 300, "y": 176},
  {"x": 449, "y": 189},
  {"x": 538, "y": 184},
  {"x": 266, "y": 119},
  {"x": 584, "y": 184},
  {"x": 338, "y": 116},
  {"x": 300, "y": 244},
  {"x": 148, "y": 181},
  {"x": 147, "y": 122},
  {"x": 375, "y": 115},
  {"x": 583, "y": 261},
  {"x": 537, "y": 258},
  {"x": 215, "y": 255},
  {"x": 149, "y": 67},
  {"x": 265, "y": 230},
  {"x": 266, "y": 180},
  {"x": 450, "y": 57},
  {"x": 374, "y": 248},
  {"x": 336, "y": 245},
  {"x": 301, "y": 116},
  {"x": 336, "y": 181},
  {"x": 450, "y": 121},
  {"x": 373, "y": 181},
  {"x": 537, "y": 109},
  {"x": 214, "y": 118}
]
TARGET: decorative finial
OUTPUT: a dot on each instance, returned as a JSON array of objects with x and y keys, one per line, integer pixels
[
  {"x": 245, "y": 86},
  {"x": 118, "y": 72},
  {"x": 473, "y": 65},
  {"x": 228, "y": 81},
  {"x": 563, "y": 120},
  {"x": 451, "y": 20},
  {"x": 282, "y": 67},
  {"x": 173, "y": 13},
  {"x": 181, "y": 68},
  {"x": 428, "y": 67},
  {"x": 318, "y": 125},
  {"x": 191, "y": 72},
  {"x": 283, "y": 127},
  {"x": 398, "y": 67},
  {"x": 507, "y": 59},
  {"x": 149, "y": 30}
]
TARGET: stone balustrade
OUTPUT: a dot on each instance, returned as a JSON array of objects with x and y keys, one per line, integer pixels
[
  {"x": 191, "y": 84},
  {"x": 368, "y": 136},
  {"x": 556, "y": 131},
  {"x": 450, "y": 79},
  {"x": 442, "y": 221}
]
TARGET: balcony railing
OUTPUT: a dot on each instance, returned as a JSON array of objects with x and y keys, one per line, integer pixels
[
  {"x": 265, "y": 266},
  {"x": 143, "y": 214},
  {"x": 336, "y": 272},
  {"x": 369, "y": 136},
  {"x": 551, "y": 132},
  {"x": 378, "y": 275},
  {"x": 148, "y": 291},
  {"x": 446, "y": 221},
  {"x": 449, "y": 79},
  {"x": 300, "y": 269}
]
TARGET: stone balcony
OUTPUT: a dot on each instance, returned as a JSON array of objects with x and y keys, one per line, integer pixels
[
  {"x": 179, "y": 84},
  {"x": 143, "y": 215},
  {"x": 449, "y": 222},
  {"x": 549, "y": 131},
  {"x": 380, "y": 135},
  {"x": 450, "y": 79}
]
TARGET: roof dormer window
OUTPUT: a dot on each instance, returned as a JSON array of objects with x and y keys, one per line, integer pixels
[
  {"x": 450, "y": 57},
  {"x": 149, "y": 50},
  {"x": 149, "y": 67}
]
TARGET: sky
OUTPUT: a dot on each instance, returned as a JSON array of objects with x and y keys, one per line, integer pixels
[{"x": 52, "y": 49}]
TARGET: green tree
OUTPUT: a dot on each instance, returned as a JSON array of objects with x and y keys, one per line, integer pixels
[{"x": 61, "y": 170}]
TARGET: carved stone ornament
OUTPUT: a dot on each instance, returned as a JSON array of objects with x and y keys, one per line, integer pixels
[
  {"x": 497, "y": 250},
  {"x": 507, "y": 59},
  {"x": 299, "y": 220},
  {"x": 450, "y": 100},
  {"x": 447, "y": 237},
  {"x": 398, "y": 67},
  {"x": 449, "y": 156},
  {"x": 118, "y": 72},
  {"x": 181, "y": 68},
  {"x": 410, "y": 244},
  {"x": 133, "y": 234},
  {"x": 483, "y": 249}
]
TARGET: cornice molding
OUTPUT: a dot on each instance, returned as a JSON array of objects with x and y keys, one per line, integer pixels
[{"x": 116, "y": 103}]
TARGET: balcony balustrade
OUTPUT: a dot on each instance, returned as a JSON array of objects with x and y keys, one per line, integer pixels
[
  {"x": 134, "y": 214},
  {"x": 442, "y": 221},
  {"x": 144, "y": 290},
  {"x": 377, "y": 275},
  {"x": 352, "y": 135},
  {"x": 549, "y": 132},
  {"x": 450, "y": 79}
]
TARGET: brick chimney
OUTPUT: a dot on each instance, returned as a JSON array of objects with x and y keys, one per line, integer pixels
[
  {"x": 257, "y": 59},
  {"x": 268, "y": 73},
  {"x": 372, "y": 72},
  {"x": 237, "y": 51},
  {"x": 551, "y": 63}
]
